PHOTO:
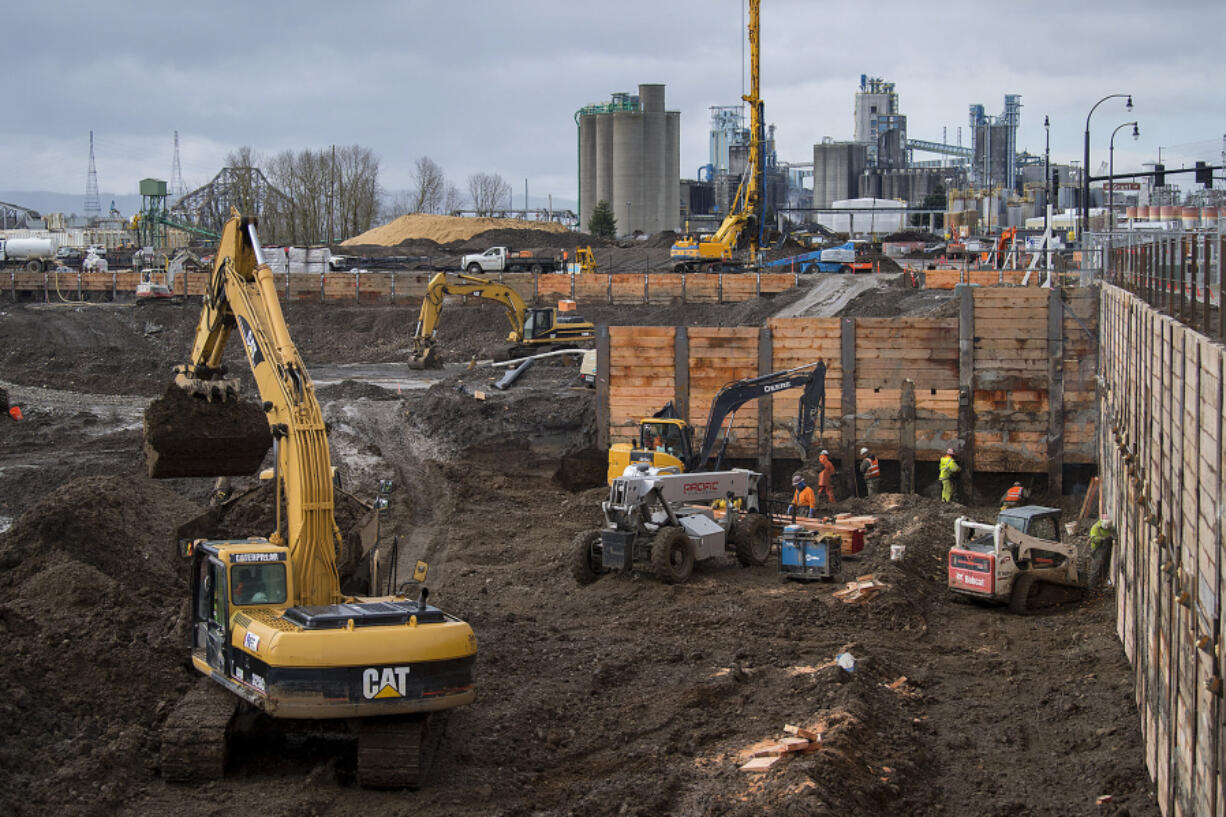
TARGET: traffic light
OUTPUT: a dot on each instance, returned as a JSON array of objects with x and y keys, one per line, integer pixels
[
  {"x": 1159, "y": 175},
  {"x": 1204, "y": 175}
]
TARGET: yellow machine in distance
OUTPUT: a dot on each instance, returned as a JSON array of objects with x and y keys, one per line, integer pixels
[
  {"x": 269, "y": 622},
  {"x": 531, "y": 327}
]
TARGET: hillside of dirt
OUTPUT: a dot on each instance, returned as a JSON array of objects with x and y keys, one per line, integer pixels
[{"x": 625, "y": 697}]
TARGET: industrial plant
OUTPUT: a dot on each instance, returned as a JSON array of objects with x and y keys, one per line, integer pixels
[{"x": 874, "y": 467}]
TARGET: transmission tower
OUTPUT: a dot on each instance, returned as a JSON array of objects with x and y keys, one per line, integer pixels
[
  {"x": 177, "y": 187},
  {"x": 93, "y": 206}
]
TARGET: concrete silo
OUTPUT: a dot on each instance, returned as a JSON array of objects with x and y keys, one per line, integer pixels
[{"x": 637, "y": 164}]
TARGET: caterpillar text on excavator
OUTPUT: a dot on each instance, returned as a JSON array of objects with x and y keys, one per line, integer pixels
[
  {"x": 531, "y": 327},
  {"x": 270, "y": 629}
]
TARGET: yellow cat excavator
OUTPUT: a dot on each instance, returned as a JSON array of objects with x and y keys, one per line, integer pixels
[
  {"x": 531, "y": 327},
  {"x": 269, "y": 627}
]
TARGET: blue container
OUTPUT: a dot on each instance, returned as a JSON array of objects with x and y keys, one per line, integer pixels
[{"x": 806, "y": 554}]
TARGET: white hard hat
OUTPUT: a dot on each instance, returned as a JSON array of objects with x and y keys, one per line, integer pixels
[
  {"x": 797, "y": 479},
  {"x": 949, "y": 451},
  {"x": 863, "y": 451},
  {"x": 825, "y": 453}
]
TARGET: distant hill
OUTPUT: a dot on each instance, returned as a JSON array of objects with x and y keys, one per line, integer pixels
[{"x": 69, "y": 203}]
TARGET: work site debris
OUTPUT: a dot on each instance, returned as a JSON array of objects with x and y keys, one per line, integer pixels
[
  {"x": 863, "y": 589},
  {"x": 765, "y": 756},
  {"x": 856, "y": 521}
]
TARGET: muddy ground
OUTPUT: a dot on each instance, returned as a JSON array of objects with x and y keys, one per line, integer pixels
[{"x": 628, "y": 697}]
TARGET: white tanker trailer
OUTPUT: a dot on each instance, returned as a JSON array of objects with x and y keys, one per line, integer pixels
[{"x": 34, "y": 253}]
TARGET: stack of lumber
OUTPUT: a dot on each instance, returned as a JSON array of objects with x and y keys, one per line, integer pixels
[
  {"x": 763, "y": 758},
  {"x": 861, "y": 590}
]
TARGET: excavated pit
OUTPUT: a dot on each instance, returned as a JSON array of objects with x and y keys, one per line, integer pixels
[{"x": 628, "y": 697}]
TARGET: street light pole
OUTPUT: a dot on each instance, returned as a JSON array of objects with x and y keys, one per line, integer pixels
[
  {"x": 1085, "y": 170},
  {"x": 1047, "y": 191},
  {"x": 1136, "y": 134}
]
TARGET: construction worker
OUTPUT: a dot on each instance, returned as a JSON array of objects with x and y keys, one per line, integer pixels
[
  {"x": 825, "y": 480},
  {"x": 1015, "y": 496},
  {"x": 1102, "y": 537},
  {"x": 15, "y": 413},
  {"x": 870, "y": 469},
  {"x": 946, "y": 470},
  {"x": 222, "y": 491},
  {"x": 802, "y": 497}
]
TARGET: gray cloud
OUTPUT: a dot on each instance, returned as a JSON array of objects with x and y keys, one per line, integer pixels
[{"x": 494, "y": 86}]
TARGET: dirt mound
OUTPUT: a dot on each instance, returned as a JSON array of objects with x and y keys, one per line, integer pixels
[
  {"x": 527, "y": 238},
  {"x": 444, "y": 229},
  {"x": 355, "y": 390},
  {"x": 92, "y": 593}
]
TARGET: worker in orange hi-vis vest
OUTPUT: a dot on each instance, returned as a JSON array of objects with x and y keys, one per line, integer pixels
[
  {"x": 803, "y": 501},
  {"x": 870, "y": 469},
  {"x": 825, "y": 480},
  {"x": 1013, "y": 497}
]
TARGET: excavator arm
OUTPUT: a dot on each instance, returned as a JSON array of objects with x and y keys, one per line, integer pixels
[
  {"x": 424, "y": 355},
  {"x": 811, "y": 378},
  {"x": 242, "y": 295}
]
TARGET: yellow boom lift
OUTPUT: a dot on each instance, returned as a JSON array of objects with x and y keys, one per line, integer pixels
[
  {"x": 531, "y": 327},
  {"x": 270, "y": 627},
  {"x": 738, "y": 238}
]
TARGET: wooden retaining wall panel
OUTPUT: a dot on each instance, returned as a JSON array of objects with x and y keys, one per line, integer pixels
[
  {"x": 665, "y": 288},
  {"x": 800, "y": 342},
  {"x": 302, "y": 288},
  {"x": 942, "y": 278},
  {"x": 197, "y": 282},
  {"x": 702, "y": 289},
  {"x": 592, "y": 289},
  {"x": 879, "y": 420},
  {"x": 740, "y": 287},
  {"x": 719, "y": 355},
  {"x": 642, "y": 377},
  {"x": 890, "y": 350},
  {"x": 552, "y": 287},
  {"x": 775, "y": 282},
  {"x": 627, "y": 287},
  {"x": 98, "y": 281}
]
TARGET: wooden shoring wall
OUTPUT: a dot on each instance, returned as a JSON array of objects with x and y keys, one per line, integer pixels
[
  {"x": 410, "y": 286},
  {"x": 1162, "y": 464},
  {"x": 891, "y": 383}
]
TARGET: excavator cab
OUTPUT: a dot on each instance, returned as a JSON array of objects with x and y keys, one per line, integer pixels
[
  {"x": 538, "y": 322},
  {"x": 662, "y": 443}
]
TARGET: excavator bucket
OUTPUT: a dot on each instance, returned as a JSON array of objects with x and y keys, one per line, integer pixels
[
  {"x": 187, "y": 435},
  {"x": 427, "y": 359}
]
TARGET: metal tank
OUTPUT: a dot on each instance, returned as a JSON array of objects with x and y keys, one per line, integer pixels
[
  {"x": 587, "y": 168},
  {"x": 653, "y": 180},
  {"x": 670, "y": 214},
  {"x": 604, "y": 157},
  {"x": 627, "y": 198}
]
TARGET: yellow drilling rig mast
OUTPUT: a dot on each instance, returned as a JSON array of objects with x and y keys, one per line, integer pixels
[{"x": 737, "y": 241}]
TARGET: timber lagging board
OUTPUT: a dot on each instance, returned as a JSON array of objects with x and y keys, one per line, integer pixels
[
  {"x": 1161, "y": 474},
  {"x": 1011, "y": 375}
]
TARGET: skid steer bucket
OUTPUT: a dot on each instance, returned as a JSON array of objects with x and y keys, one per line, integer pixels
[{"x": 189, "y": 436}]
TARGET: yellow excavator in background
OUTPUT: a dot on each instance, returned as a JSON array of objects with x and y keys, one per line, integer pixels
[
  {"x": 269, "y": 625},
  {"x": 586, "y": 260},
  {"x": 738, "y": 239},
  {"x": 531, "y": 327}
]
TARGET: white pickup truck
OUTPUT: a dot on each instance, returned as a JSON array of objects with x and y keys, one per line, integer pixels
[{"x": 502, "y": 259}]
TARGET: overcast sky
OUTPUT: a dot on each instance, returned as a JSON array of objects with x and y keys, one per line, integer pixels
[{"x": 493, "y": 86}]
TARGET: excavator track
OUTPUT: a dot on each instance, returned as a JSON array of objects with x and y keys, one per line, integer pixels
[
  {"x": 394, "y": 753},
  {"x": 195, "y": 736}
]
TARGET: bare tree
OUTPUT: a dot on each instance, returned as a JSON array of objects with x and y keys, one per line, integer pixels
[
  {"x": 429, "y": 186},
  {"x": 453, "y": 199},
  {"x": 330, "y": 194},
  {"x": 488, "y": 191}
]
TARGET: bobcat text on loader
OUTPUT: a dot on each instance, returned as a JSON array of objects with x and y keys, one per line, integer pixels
[
  {"x": 650, "y": 519},
  {"x": 1019, "y": 561},
  {"x": 271, "y": 631}
]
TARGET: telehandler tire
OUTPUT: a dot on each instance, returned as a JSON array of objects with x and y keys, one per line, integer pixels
[
  {"x": 1019, "y": 597},
  {"x": 672, "y": 556},
  {"x": 752, "y": 540},
  {"x": 585, "y": 564}
]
